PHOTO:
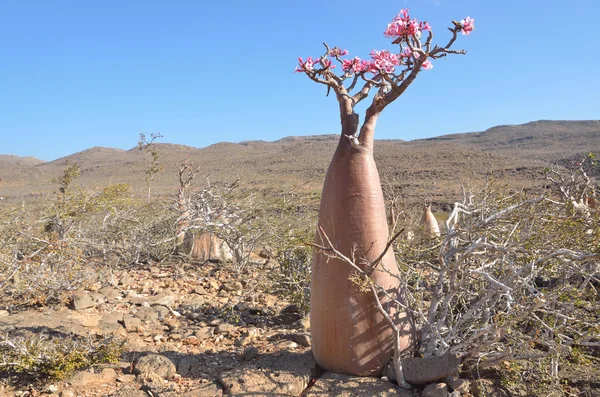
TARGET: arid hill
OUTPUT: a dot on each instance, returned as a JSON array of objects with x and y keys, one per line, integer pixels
[{"x": 434, "y": 168}]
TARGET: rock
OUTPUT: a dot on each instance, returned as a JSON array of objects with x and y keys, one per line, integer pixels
[
  {"x": 126, "y": 378},
  {"x": 130, "y": 393},
  {"x": 84, "y": 378},
  {"x": 110, "y": 324},
  {"x": 250, "y": 353},
  {"x": 4, "y": 313},
  {"x": 208, "y": 390},
  {"x": 303, "y": 323},
  {"x": 435, "y": 390},
  {"x": 331, "y": 384},
  {"x": 225, "y": 328},
  {"x": 147, "y": 314},
  {"x": 421, "y": 371},
  {"x": 270, "y": 375},
  {"x": 164, "y": 299},
  {"x": 455, "y": 394},
  {"x": 108, "y": 375},
  {"x": 112, "y": 294},
  {"x": 138, "y": 300},
  {"x": 52, "y": 389},
  {"x": 66, "y": 393},
  {"x": 204, "y": 333},
  {"x": 187, "y": 364},
  {"x": 459, "y": 385},
  {"x": 287, "y": 344},
  {"x": 157, "y": 364},
  {"x": 290, "y": 309},
  {"x": 301, "y": 339},
  {"x": 132, "y": 324},
  {"x": 82, "y": 301},
  {"x": 289, "y": 318}
]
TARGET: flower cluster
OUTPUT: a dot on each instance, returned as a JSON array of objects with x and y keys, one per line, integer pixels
[
  {"x": 383, "y": 61},
  {"x": 403, "y": 26},
  {"x": 468, "y": 25}
]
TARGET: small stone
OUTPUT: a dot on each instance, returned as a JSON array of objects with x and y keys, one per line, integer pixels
[
  {"x": 164, "y": 299},
  {"x": 455, "y": 394},
  {"x": 155, "y": 363},
  {"x": 287, "y": 344},
  {"x": 301, "y": 339},
  {"x": 225, "y": 328},
  {"x": 108, "y": 375},
  {"x": 110, "y": 293},
  {"x": 204, "y": 333},
  {"x": 126, "y": 378},
  {"x": 66, "y": 393},
  {"x": 289, "y": 318},
  {"x": 290, "y": 309},
  {"x": 82, "y": 301},
  {"x": 132, "y": 324},
  {"x": 4, "y": 313},
  {"x": 200, "y": 290},
  {"x": 435, "y": 390},
  {"x": 250, "y": 353},
  {"x": 147, "y": 314},
  {"x": 52, "y": 388},
  {"x": 421, "y": 371},
  {"x": 459, "y": 385}
]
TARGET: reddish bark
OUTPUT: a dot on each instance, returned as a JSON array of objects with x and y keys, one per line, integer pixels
[{"x": 349, "y": 335}]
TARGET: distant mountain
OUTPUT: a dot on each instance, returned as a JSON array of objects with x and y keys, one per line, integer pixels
[
  {"x": 434, "y": 168},
  {"x": 544, "y": 139}
]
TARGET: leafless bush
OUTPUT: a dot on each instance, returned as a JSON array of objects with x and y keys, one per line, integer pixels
[
  {"x": 236, "y": 217},
  {"x": 515, "y": 277}
]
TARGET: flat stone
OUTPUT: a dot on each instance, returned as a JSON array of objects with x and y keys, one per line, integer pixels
[
  {"x": 4, "y": 313},
  {"x": 132, "y": 324},
  {"x": 82, "y": 301},
  {"x": 164, "y": 299},
  {"x": 187, "y": 364},
  {"x": 149, "y": 314},
  {"x": 250, "y": 353},
  {"x": 110, "y": 293},
  {"x": 339, "y": 385},
  {"x": 421, "y": 371},
  {"x": 435, "y": 390},
  {"x": 208, "y": 390},
  {"x": 126, "y": 378},
  {"x": 157, "y": 364},
  {"x": 459, "y": 385},
  {"x": 85, "y": 378},
  {"x": 270, "y": 375},
  {"x": 204, "y": 333},
  {"x": 225, "y": 328},
  {"x": 289, "y": 318},
  {"x": 301, "y": 339}
]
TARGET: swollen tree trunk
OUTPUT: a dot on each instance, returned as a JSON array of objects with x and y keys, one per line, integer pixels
[{"x": 349, "y": 335}]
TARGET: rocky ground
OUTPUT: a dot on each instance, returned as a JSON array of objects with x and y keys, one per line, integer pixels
[{"x": 200, "y": 330}]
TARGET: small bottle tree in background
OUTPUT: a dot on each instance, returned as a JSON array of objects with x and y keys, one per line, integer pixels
[
  {"x": 151, "y": 164},
  {"x": 349, "y": 334}
]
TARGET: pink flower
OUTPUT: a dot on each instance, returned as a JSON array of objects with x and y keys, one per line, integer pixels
[
  {"x": 427, "y": 65},
  {"x": 384, "y": 61},
  {"x": 424, "y": 26},
  {"x": 404, "y": 13},
  {"x": 406, "y": 53},
  {"x": 335, "y": 51},
  {"x": 468, "y": 25},
  {"x": 304, "y": 66},
  {"x": 327, "y": 64},
  {"x": 354, "y": 64}
]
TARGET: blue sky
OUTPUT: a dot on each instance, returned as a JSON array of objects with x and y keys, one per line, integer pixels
[{"x": 78, "y": 74}]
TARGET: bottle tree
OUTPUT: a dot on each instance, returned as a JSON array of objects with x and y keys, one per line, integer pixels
[{"x": 349, "y": 334}]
